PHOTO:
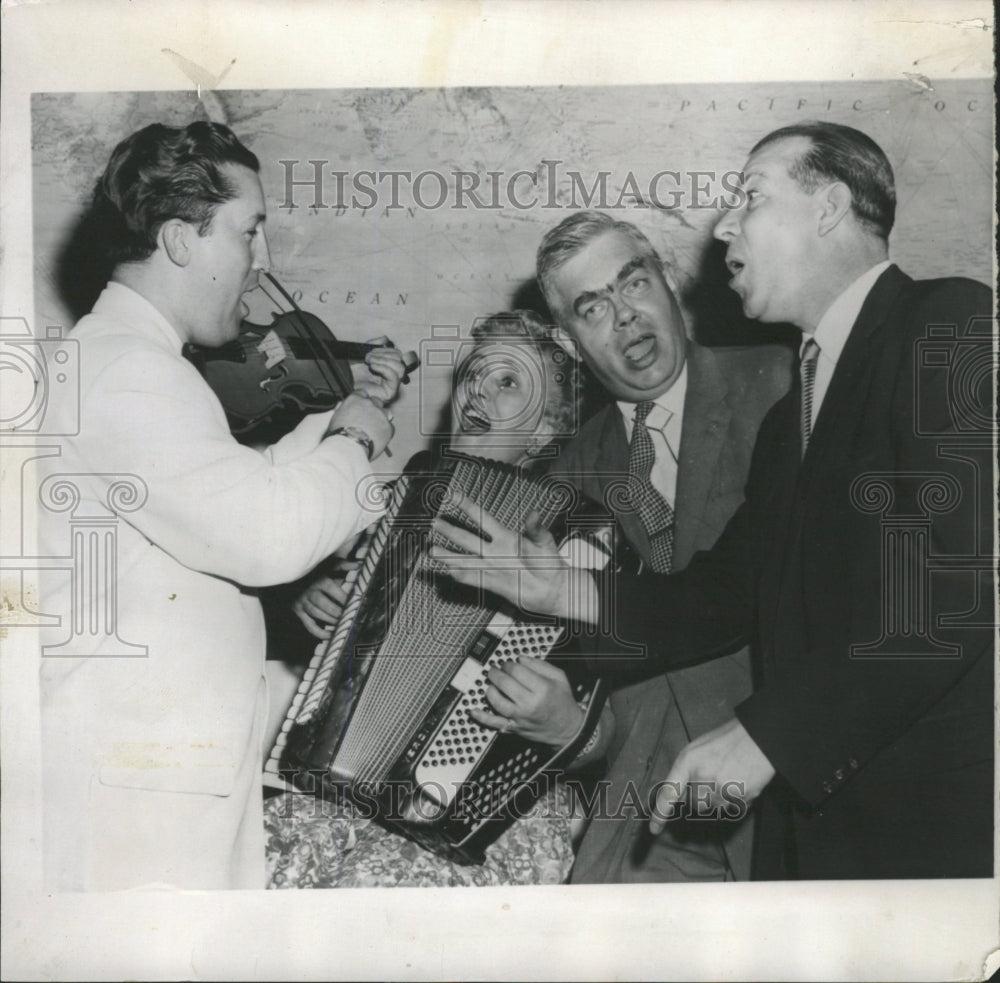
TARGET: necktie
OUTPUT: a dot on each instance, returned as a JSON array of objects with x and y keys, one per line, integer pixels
[
  {"x": 807, "y": 367},
  {"x": 656, "y": 514}
]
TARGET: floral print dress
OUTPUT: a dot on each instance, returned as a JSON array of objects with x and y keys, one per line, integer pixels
[{"x": 316, "y": 843}]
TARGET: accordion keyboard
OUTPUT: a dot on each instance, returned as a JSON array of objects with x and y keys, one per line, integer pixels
[{"x": 460, "y": 744}]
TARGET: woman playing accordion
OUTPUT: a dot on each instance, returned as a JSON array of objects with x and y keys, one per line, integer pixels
[{"x": 514, "y": 394}]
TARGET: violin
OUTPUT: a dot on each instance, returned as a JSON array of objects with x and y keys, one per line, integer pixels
[{"x": 282, "y": 371}]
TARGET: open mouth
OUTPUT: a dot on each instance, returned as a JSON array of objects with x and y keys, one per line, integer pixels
[
  {"x": 472, "y": 421},
  {"x": 734, "y": 266},
  {"x": 640, "y": 349}
]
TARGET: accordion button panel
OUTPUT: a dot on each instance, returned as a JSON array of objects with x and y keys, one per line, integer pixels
[
  {"x": 460, "y": 744},
  {"x": 469, "y": 675}
]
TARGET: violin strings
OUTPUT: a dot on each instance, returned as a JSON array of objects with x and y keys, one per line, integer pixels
[{"x": 302, "y": 326}]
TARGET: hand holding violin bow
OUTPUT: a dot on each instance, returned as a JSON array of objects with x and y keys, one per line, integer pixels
[
  {"x": 384, "y": 369},
  {"x": 378, "y": 379}
]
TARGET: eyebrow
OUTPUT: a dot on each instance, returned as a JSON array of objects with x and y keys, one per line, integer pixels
[
  {"x": 757, "y": 172},
  {"x": 637, "y": 262}
]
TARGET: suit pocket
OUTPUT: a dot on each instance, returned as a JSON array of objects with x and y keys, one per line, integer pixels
[{"x": 153, "y": 767}]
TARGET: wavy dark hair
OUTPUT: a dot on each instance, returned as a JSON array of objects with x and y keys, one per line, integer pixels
[
  {"x": 842, "y": 153},
  {"x": 161, "y": 173}
]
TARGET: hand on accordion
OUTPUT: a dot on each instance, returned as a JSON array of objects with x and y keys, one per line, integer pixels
[
  {"x": 523, "y": 567},
  {"x": 533, "y": 699},
  {"x": 318, "y": 607}
]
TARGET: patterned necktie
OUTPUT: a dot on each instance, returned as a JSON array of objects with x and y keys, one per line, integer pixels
[
  {"x": 808, "y": 369},
  {"x": 656, "y": 514}
]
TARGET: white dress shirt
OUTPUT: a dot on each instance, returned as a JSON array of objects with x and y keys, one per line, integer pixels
[
  {"x": 664, "y": 423},
  {"x": 835, "y": 327}
]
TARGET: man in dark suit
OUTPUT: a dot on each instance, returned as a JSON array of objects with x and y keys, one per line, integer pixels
[
  {"x": 700, "y": 409},
  {"x": 859, "y": 562},
  {"x": 706, "y": 411}
]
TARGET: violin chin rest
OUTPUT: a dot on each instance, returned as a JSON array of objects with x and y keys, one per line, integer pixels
[{"x": 231, "y": 351}]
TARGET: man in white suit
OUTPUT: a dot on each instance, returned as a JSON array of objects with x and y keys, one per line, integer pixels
[{"x": 152, "y": 764}]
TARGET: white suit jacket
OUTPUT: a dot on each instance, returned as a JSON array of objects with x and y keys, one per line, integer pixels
[{"x": 152, "y": 760}]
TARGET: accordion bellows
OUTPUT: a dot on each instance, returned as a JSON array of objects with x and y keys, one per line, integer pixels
[{"x": 382, "y": 715}]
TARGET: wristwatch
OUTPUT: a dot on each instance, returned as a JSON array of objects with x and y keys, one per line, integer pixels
[{"x": 356, "y": 434}]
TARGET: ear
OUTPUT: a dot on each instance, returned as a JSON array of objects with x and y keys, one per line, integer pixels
[
  {"x": 835, "y": 201},
  {"x": 174, "y": 238}
]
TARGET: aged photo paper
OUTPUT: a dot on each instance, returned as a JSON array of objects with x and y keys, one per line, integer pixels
[{"x": 412, "y": 156}]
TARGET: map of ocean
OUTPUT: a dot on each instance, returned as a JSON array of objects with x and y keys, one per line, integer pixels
[{"x": 411, "y": 212}]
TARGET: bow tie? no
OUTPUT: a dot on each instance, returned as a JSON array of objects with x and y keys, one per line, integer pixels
[{"x": 654, "y": 510}]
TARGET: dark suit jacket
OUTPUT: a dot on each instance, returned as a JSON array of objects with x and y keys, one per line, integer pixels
[
  {"x": 728, "y": 393},
  {"x": 854, "y": 569}
]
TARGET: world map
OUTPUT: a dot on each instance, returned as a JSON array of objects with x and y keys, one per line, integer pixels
[{"x": 412, "y": 212}]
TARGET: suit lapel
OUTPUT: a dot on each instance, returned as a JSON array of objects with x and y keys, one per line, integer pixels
[
  {"x": 706, "y": 421},
  {"x": 611, "y": 466},
  {"x": 837, "y": 415}
]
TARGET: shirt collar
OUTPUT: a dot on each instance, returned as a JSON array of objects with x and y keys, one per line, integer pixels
[
  {"x": 670, "y": 403},
  {"x": 835, "y": 325}
]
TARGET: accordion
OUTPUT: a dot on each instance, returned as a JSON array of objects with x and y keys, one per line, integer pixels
[{"x": 382, "y": 715}]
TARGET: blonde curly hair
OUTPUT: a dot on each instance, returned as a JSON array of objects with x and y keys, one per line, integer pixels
[{"x": 562, "y": 373}]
